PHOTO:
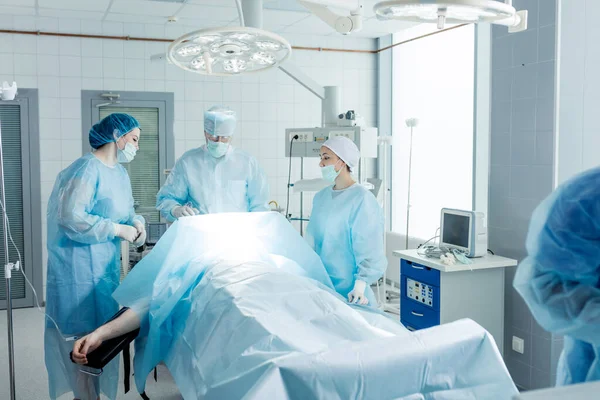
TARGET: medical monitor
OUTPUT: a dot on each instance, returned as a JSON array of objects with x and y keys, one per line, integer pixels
[{"x": 464, "y": 230}]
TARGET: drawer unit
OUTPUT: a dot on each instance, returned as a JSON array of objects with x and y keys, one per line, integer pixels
[
  {"x": 432, "y": 293},
  {"x": 417, "y": 316},
  {"x": 420, "y": 303},
  {"x": 420, "y": 272}
]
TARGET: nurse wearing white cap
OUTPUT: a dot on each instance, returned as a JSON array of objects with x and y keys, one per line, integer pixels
[{"x": 347, "y": 225}]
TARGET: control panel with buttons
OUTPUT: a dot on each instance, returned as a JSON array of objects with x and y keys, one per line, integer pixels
[{"x": 420, "y": 292}]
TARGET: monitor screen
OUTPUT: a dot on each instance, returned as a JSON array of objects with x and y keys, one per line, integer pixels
[{"x": 456, "y": 230}]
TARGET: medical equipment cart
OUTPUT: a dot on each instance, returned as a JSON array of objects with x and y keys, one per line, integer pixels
[{"x": 433, "y": 293}]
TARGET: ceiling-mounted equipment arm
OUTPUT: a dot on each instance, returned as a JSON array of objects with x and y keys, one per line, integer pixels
[
  {"x": 310, "y": 84},
  {"x": 341, "y": 23},
  {"x": 329, "y": 95},
  {"x": 516, "y": 23}
]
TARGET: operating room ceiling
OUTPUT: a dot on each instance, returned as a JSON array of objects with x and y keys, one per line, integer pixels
[{"x": 280, "y": 16}]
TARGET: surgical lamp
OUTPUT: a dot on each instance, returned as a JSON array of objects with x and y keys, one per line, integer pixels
[
  {"x": 453, "y": 12},
  {"x": 226, "y": 51}
]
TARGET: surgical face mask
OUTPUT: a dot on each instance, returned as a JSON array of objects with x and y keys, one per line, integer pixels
[
  {"x": 217, "y": 149},
  {"x": 329, "y": 173},
  {"x": 127, "y": 154}
]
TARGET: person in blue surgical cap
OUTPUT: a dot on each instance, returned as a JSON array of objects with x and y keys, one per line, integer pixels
[
  {"x": 90, "y": 211},
  {"x": 216, "y": 177},
  {"x": 560, "y": 278},
  {"x": 346, "y": 225}
]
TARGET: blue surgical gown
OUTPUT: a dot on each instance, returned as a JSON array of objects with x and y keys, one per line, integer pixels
[
  {"x": 346, "y": 230},
  {"x": 232, "y": 183},
  {"x": 88, "y": 198},
  {"x": 560, "y": 278}
]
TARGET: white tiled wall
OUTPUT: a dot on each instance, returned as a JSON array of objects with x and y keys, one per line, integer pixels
[
  {"x": 521, "y": 165},
  {"x": 266, "y": 103}
]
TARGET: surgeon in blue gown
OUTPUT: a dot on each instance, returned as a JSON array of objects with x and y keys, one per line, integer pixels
[
  {"x": 560, "y": 278},
  {"x": 346, "y": 225},
  {"x": 216, "y": 177},
  {"x": 90, "y": 211}
]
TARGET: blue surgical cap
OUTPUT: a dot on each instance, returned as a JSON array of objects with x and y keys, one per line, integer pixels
[
  {"x": 219, "y": 121},
  {"x": 110, "y": 126}
]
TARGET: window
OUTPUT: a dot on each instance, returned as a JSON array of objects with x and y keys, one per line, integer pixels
[
  {"x": 433, "y": 81},
  {"x": 20, "y": 150},
  {"x": 144, "y": 170}
]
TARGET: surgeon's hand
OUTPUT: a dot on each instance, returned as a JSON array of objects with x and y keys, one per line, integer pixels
[
  {"x": 357, "y": 295},
  {"x": 85, "y": 345},
  {"x": 141, "y": 230},
  {"x": 126, "y": 232},
  {"x": 184, "y": 211}
]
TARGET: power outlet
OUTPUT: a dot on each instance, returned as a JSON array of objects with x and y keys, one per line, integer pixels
[
  {"x": 346, "y": 134},
  {"x": 518, "y": 344},
  {"x": 303, "y": 137}
]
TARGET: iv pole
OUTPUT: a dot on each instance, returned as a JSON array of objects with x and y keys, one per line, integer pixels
[
  {"x": 8, "y": 267},
  {"x": 385, "y": 143},
  {"x": 410, "y": 123}
]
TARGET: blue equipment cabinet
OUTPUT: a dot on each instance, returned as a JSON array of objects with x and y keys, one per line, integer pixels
[{"x": 433, "y": 293}]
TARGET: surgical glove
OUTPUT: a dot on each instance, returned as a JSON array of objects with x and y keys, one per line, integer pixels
[
  {"x": 126, "y": 232},
  {"x": 184, "y": 211},
  {"x": 141, "y": 229},
  {"x": 357, "y": 295}
]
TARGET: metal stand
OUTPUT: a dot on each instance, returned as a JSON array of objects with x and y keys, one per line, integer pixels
[
  {"x": 384, "y": 294},
  {"x": 411, "y": 123},
  {"x": 7, "y": 275},
  {"x": 408, "y": 195},
  {"x": 302, "y": 198}
]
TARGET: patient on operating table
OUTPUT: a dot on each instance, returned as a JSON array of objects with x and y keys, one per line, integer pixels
[{"x": 239, "y": 306}]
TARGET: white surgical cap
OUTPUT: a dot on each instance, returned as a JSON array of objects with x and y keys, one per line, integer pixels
[
  {"x": 219, "y": 121},
  {"x": 345, "y": 149}
]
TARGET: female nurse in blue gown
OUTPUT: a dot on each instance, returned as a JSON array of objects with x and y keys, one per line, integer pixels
[
  {"x": 347, "y": 225},
  {"x": 90, "y": 211}
]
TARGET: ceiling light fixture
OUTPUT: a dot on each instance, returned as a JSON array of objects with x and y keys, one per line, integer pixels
[
  {"x": 453, "y": 12},
  {"x": 226, "y": 51}
]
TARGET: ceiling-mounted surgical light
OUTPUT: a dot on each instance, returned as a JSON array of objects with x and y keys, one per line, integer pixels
[
  {"x": 454, "y": 12},
  {"x": 228, "y": 50}
]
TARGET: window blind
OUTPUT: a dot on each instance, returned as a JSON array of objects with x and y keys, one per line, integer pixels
[{"x": 10, "y": 121}]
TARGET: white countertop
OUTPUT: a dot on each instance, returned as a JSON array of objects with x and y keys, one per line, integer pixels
[{"x": 485, "y": 262}]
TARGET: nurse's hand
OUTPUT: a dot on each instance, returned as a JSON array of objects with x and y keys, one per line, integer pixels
[
  {"x": 126, "y": 232},
  {"x": 184, "y": 211},
  {"x": 85, "y": 345},
  {"x": 141, "y": 229},
  {"x": 357, "y": 295}
]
